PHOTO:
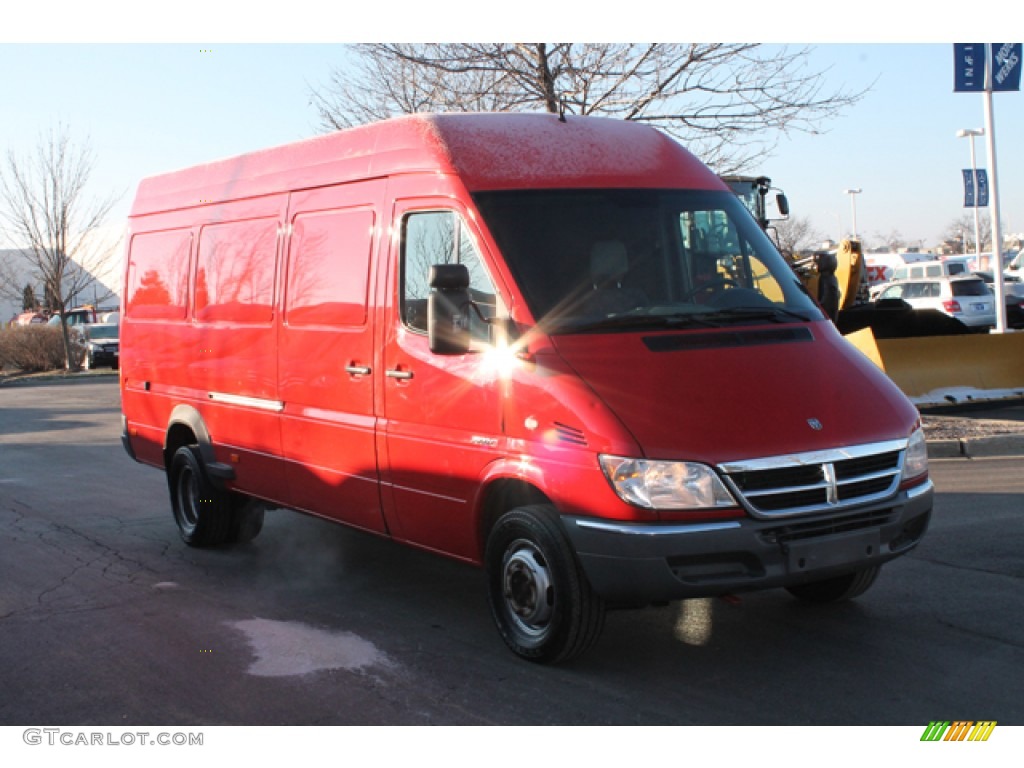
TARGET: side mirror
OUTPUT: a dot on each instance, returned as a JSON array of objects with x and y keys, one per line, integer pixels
[
  {"x": 448, "y": 308},
  {"x": 782, "y": 204}
]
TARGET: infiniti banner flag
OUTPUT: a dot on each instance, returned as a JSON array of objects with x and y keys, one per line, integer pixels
[
  {"x": 1006, "y": 64},
  {"x": 968, "y": 67},
  {"x": 975, "y": 195},
  {"x": 982, "y": 187}
]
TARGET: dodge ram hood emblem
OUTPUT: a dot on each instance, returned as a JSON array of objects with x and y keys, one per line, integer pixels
[{"x": 814, "y": 424}]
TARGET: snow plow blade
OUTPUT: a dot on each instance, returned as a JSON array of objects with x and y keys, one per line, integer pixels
[{"x": 937, "y": 370}]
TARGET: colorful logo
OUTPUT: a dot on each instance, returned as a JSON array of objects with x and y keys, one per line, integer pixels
[{"x": 959, "y": 730}]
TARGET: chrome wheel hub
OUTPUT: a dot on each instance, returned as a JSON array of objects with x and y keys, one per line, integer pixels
[{"x": 527, "y": 585}]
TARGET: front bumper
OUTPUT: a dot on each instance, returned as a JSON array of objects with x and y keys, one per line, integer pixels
[
  {"x": 638, "y": 562},
  {"x": 101, "y": 359}
]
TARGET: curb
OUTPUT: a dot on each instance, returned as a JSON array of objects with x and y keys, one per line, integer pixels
[
  {"x": 75, "y": 377},
  {"x": 977, "y": 447}
]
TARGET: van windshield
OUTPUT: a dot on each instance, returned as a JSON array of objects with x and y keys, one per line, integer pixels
[{"x": 607, "y": 258}]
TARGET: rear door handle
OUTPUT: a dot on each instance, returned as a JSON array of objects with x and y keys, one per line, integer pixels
[
  {"x": 399, "y": 374},
  {"x": 358, "y": 370}
]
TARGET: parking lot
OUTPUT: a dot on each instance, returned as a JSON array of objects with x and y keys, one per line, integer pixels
[{"x": 107, "y": 618}]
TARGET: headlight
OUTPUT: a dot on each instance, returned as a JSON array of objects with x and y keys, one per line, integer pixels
[
  {"x": 915, "y": 463},
  {"x": 665, "y": 484}
]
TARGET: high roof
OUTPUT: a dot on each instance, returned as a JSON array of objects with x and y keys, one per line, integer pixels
[{"x": 488, "y": 151}]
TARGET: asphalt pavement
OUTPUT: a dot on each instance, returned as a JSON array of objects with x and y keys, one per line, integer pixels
[{"x": 108, "y": 619}]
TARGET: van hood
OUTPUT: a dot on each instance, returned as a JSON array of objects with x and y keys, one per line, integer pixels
[{"x": 740, "y": 393}]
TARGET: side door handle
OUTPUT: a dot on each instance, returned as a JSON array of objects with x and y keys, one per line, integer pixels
[
  {"x": 397, "y": 373},
  {"x": 358, "y": 370}
]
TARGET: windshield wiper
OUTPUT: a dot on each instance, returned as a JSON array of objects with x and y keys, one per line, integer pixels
[{"x": 775, "y": 314}]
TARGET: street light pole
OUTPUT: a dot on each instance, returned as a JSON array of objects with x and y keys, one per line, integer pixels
[
  {"x": 853, "y": 202},
  {"x": 971, "y": 133}
]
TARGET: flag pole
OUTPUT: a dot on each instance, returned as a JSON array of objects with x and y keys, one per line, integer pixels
[{"x": 997, "y": 240}]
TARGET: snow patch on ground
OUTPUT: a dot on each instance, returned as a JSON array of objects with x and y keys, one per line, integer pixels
[
  {"x": 284, "y": 648},
  {"x": 961, "y": 395}
]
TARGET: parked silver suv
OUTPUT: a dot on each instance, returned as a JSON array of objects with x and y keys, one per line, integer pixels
[{"x": 967, "y": 298}]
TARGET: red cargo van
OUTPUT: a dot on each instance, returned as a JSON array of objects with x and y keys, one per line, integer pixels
[{"x": 560, "y": 349}]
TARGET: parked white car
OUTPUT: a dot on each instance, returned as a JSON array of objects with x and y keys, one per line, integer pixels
[
  {"x": 968, "y": 298},
  {"x": 950, "y": 267}
]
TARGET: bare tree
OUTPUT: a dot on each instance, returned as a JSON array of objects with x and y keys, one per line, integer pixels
[
  {"x": 9, "y": 277},
  {"x": 892, "y": 241},
  {"x": 728, "y": 102},
  {"x": 960, "y": 233},
  {"x": 795, "y": 234},
  {"x": 46, "y": 213}
]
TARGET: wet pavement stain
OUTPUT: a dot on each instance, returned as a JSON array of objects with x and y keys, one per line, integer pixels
[{"x": 284, "y": 648}]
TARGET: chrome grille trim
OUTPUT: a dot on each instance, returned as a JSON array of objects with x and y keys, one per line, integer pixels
[{"x": 835, "y": 479}]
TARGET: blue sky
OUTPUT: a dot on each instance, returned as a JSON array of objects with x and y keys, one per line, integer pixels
[
  {"x": 148, "y": 107},
  {"x": 899, "y": 145}
]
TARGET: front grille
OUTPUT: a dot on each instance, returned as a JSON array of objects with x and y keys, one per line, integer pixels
[
  {"x": 818, "y": 481},
  {"x": 865, "y": 465},
  {"x": 811, "y": 474}
]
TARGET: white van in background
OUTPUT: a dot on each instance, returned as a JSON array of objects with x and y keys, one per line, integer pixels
[
  {"x": 881, "y": 267},
  {"x": 951, "y": 267}
]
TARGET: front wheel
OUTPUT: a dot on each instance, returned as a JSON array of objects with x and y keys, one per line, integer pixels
[
  {"x": 540, "y": 598},
  {"x": 836, "y": 589}
]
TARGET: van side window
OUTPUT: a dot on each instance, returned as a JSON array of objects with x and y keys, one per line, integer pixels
[
  {"x": 236, "y": 270},
  {"x": 158, "y": 265},
  {"x": 329, "y": 267},
  {"x": 440, "y": 237}
]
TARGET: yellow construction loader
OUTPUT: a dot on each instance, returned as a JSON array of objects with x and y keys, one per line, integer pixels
[{"x": 933, "y": 358}]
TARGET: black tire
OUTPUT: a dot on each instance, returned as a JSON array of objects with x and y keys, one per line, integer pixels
[
  {"x": 836, "y": 589},
  {"x": 201, "y": 510},
  {"x": 540, "y": 598}
]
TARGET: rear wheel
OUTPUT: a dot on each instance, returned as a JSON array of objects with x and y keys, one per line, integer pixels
[
  {"x": 540, "y": 598},
  {"x": 836, "y": 589},
  {"x": 246, "y": 518},
  {"x": 201, "y": 510}
]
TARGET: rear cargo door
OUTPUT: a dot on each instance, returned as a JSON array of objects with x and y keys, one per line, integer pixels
[{"x": 326, "y": 353}]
